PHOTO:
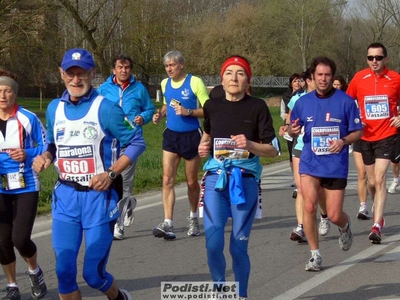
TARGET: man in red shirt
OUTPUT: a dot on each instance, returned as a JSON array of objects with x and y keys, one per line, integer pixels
[{"x": 377, "y": 91}]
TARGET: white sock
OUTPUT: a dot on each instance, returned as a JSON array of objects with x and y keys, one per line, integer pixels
[
  {"x": 345, "y": 228},
  {"x": 315, "y": 252},
  {"x": 396, "y": 179},
  {"x": 169, "y": 222},
  {"x": 34, "y": 271},
  {"x": 14, "y": 284},
  {"x": 363, "y": 204},
  {"x": 194, "y": 214},
  {"x": 377, "y": 225}
]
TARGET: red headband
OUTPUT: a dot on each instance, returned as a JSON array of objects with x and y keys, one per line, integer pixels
[{"x": 235, "y": 60}]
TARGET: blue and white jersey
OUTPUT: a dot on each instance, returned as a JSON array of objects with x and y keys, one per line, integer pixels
[
  {"x": 23, "y": 130},
  {"x": 325, "y": 120},
  {"x": 88, "y": 136},
  {"x": 78, "y": 143}
]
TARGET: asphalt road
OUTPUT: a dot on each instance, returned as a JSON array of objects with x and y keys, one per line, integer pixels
[{"x": 141, "y": 262}]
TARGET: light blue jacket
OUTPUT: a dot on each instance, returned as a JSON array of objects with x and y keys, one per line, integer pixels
[{"x": 134, "y": 100}]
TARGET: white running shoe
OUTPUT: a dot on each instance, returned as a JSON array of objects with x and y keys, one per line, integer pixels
[
  {"x": 298, "y": 235},
  {"x": 194, "y": 227},
  {"x": 129, "y": 217},
  {"x": 363, "y": 213},
  {"x": 163, "y": 230},
  {"x": 392, "y": 188},
  {"x": 345, "y": 239},
  {"x": 324, "y": 226},
  {"x": 314, "y": 264},
  {"x": 119, "y": 232},
  {"x": 126, "y": 294}
]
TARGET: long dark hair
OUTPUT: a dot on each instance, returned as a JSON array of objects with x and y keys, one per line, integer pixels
[
  {"x": 291, "y": 78},
  {"x": 342, "y": 82}
]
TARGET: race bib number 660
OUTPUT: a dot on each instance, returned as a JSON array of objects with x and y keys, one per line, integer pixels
[{"x": 75, "y": 161}]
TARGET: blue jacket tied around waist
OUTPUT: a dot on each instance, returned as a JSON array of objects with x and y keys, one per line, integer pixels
[{"x": 234, "y": 168}]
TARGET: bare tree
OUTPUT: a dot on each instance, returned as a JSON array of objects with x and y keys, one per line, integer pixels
[
  {"x": 378, "y": 21},
  {"x": 28, "y": 42},
  {"x": 90, "y": 18}
]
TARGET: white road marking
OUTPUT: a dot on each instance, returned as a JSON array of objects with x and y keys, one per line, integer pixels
[
  {"x": 392, "y": 255},
  {"x": 328, "y": 274},
  {"x": 47, "y": 232}
]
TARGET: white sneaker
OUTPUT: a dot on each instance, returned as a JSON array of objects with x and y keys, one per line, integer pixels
[
  {"x": 118, "y": 232},
  {"x": 194, "y": 227},
  {"x": 298, "y": 235},
  {"x": 129, "y": 217},
  {"x": 345, "y": 239},
  {"x": 163, "y": 230},
  {"x": 324, "y": 226},
  {"x": 392, "y": 188},
  {"x": 363, "y": 213},
  {"x": 314, "y": 264},
  {"x": 126, "y": 294}
]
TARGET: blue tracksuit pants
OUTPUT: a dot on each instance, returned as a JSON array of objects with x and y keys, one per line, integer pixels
[{"x": 217, "y": 210}]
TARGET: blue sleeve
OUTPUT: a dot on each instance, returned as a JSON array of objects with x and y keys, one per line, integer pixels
[
  {"x": 50, "y": 117},
  {"x": 38, "y": 137},
  {"x": 293, "y": 101},
  {"x": 130, "y": 138},
  {"x": 136, "y": 146},
  {"x": 297, "y": 112},
  {"x": 354, "y": 116},
  {"x": 148, "y": 107}
]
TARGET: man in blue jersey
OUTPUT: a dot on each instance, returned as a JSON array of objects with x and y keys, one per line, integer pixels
[
  {"x": 182, "y": 92},
  {"x": 122, "y": 88},
  {"x": 331, "y": 121},
  {"x": 84, "y": 142}
]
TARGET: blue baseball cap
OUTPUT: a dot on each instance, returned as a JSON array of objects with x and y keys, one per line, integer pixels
[{"x": 77, "y": 57}]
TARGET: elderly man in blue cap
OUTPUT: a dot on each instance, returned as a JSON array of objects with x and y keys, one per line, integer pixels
[{"x": 84, "y": 143}]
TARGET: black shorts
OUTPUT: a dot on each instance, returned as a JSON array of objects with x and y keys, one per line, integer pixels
[
  {"x": 333, "y": 183},
  {"x": 185, "y": 144},
  {"x": 357, "y": 146},
  {"x": 290, "y": 146},
  {"x": 396, "y": 157},
  {"x": 379, "y": 149}
]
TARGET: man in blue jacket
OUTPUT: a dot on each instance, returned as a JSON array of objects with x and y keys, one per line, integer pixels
[{"x": 122, "y": 88}]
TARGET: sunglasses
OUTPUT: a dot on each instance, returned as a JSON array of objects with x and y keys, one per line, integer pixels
[{"x": 377, "y": 57}]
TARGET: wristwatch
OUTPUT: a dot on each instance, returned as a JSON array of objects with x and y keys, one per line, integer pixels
[
  {"x": 344, "y": 142},
  {"x": 190, "y": 111},
  {"x": 111, "y": 174}
]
